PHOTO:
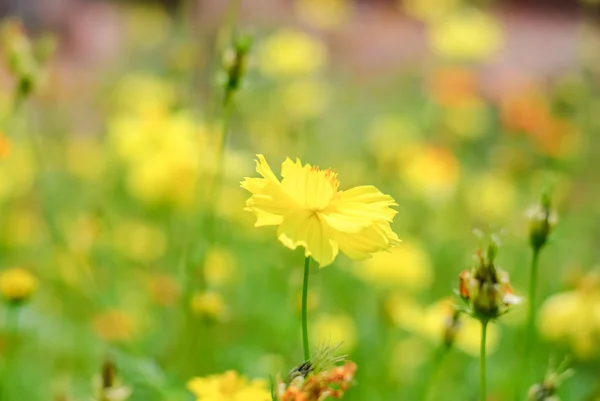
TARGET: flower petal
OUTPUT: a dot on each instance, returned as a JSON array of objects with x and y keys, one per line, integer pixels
[
  {"x": 363, "y": 244},
  {"x": 366, "y": 202},
  {"x": 305, "y": 228}
]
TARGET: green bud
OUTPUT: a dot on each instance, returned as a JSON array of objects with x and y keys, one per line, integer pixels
[
  {"x": 541, "y": 222},
  {"x": 235, "y": 62}
]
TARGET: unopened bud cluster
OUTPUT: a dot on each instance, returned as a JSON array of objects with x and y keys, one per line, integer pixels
[
  {"x": 24, "y": 58},
  {"x": 486, "y": 288},
  {"x": 546, "y": 390},
  {"x": 108, "y": 386},
  {"x": 541, "y": 222},
  {"x": 321, "y": 377},
  {"x": 452, "y": 325},
  {"x": 235, "y": 61}
]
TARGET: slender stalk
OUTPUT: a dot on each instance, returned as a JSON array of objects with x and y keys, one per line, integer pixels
[
  {"x": 531, "y": 313},
  {"x": 482, "y": 361},
  {"x": 304, "y": 309},
  {"x": 436, "y": 360},
  {"x": 12, "y": 327}
]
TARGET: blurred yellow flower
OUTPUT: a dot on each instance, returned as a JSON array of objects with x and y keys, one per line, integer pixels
[
  {"x": 163, "y": 153},
  {"x": 432, "y": 172},
  {"x": 468, "y": 119},
  {"x": 491, "y": 197},
  {"x": 84, "y": 158},
  {"x": 312, "y": 213},
  {"x": 17, "y": 171},
  {"x": 305, "y": 99},
  {"x": 81, "y": 233},
  {"x": 291, "y": 53},
  {"x": 574, "y": 317},
  {"x": 405, "y": 266},
  {"x": 17, "y": 284},
  {"x": 114, "y": 325},
  {"x": 147, "y": 26},
  {"x": 403, "y": 310},
  {"x": 229, "y": 386},
  {"x": 140, "y": 241},
  {"x": 432, "y": 323},
  {"x": 23, "y": 227},
  {"x": 392, "y": 139},
  {"x": 220, "y": 267},
  {"x": 428, "y": 10},
  {"x": 210, "y": 305},
  {"x": 330, "y": 329},
  {"x": 4, "y": 146},
  {"x": 324, "y": 14},
  {"x": 468, "y": 337},
  {"x": 143, "y": 94},
  {"x": 466, "y": 35},
  {"x": 164, "y": 289}
]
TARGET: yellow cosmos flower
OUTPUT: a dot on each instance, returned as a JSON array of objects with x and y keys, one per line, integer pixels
[
  {"x": 229, "y": 386},
  {"x": 17, "y": 284},
  {"x": 311, "y": 212}
]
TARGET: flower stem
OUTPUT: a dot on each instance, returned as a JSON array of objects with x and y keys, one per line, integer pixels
[
  {"x": 482, "y": 361},
  {"x": 436, "y": 360},
  {"x": 304, "y": 309},
  {"x": 531, "y": 313}
]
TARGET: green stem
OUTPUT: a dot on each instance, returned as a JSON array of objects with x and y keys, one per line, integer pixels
[
  {"x": 531, "y": 313},
  {"x": 12, "y": 327},
  {"x": 482, "y": 361},
  {"x": 304, "y": 309},
  {"x": 436, "y": 360}
]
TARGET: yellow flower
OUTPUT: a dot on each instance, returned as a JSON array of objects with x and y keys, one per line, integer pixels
[
  {"x": 17, "y": 171},
  {"x": 312, "y": 213},
  {"x": 432, "y": 172},
  {"x": 84, "y": 158},
  {"x": 574, "y": 317},
  {"x": 466, "y": 35},
  {"x": 335, "y": 329},
  {"x": 139, "y": 241},
  {"x": 428, "y": 10},
  {"x": 324, "y": 14},
  {"x": 114, "y": 326},
  {"x": 229, "y": 386},
  {"x": 209, "y": 304},
  {"x": 17, "y": 284},
  {"x": 290, "y": 53},
  {"x": 220, "y": 267},
  {"x": 305, "y": 99},
  {"x": 405, "y": 266},
  {"x": 468, "y": 336},
  {"x": 491, "y": 197},
  {"x": 163, "y": 289}
]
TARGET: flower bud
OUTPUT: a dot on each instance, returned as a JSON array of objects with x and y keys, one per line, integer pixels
[
  {"x": 108, "y": 386},
  {"x": 486, "y": 288},
  {"x": 546, "y": 390},
  {"x": 452, "y": 325},
  {"x": 317, "y": 379},
  {"x": 17, "y": 284},
  {"x": 235, "y": 61},
  {"x": 541, "y": 222}
]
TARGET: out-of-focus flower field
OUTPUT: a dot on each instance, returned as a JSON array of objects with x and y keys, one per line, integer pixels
[{"x": 130, "y": 267}]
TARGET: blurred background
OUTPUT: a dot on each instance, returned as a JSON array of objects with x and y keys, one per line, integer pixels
[{"x": 465, "y": 112}]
